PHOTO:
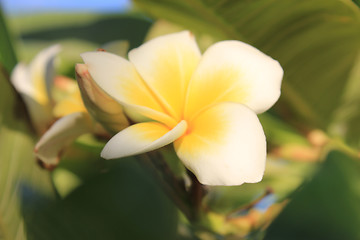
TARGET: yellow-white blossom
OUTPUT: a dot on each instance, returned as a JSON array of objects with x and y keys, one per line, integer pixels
[
  {"x": 34, "y": 83},
  {"x": 58, "y": 121},
  {"x": 205, "y": 104}
]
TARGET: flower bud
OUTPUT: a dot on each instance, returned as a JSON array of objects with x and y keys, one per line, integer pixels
[{"x": 101, "y": 106}]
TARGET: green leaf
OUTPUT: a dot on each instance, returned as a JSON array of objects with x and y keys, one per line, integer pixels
[
  {"x": 347, "y": 117},
  {"x": 327, "y": 207},
  {"x": 42, "y": 30},
  {"x": 7, "y": 54},
  {"x": 17, "y": 163},
  {"x": 281, "y": 176},
  {"x": 122, "y": 203},
  {"x": 316, "y": 42},
  {"x": 279, "y": 132},
  {"x": 106, "y": 28}
]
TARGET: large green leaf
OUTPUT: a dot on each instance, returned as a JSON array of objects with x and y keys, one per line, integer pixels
[
  {"x": 327, "y": 207},
  {"x": 98, "y": 29},
  {"x": 316, "y": 42},
  {"x": 7, "y": 55},
  {"x": 122, "y": 203},
  {"x": 91, "y": 31},
  {"x": 347, "y": 117},
  {"x": 282, "y": 177},
  {"x": 17, "y": 163}
]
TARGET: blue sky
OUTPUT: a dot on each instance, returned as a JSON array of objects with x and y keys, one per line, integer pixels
[{"x": 30, "y": 6}]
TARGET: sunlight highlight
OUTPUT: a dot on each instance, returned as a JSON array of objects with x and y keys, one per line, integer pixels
[{"x": 206, "y": 105}]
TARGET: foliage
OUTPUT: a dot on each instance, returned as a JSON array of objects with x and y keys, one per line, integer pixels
[
  {"x": 108, "y": 206},
  {"x": 316, "y": 42},
  {"x": 313, "y": 173},
  {"x": 325, "y": 207},
  {"x": 18, "y": 166}
]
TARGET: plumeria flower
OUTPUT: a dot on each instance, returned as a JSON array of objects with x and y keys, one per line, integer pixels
[
  {"x": 205, "y": 104},
  {"x": 34, "y": 83},
  {"x": 58, "y": 120}
]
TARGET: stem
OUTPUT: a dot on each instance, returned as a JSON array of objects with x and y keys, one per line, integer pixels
[
  {"x": 251, "y": 204},
  {"x": 196, "y": 195},
  {"x": 171, "y": 186},
  {"x": 159, "y": 162},
  {"x": 53, "y": 187}
]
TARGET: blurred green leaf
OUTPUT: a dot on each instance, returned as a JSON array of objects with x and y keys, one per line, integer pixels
[
  {"x": 76, "y": 33},
  {"x": 347, "y": 117},
  {"x": 100, "y": 30},
  {"x": 7, "y": 54},
  {"x": 82, "y": 157},
  {"x": 281, "y": 176},
  {"x": 17, "y": 163},
  {"x": 327, "y": 207},
  {"x": 123, "y": 203},
  {"x": 315, "y": 41},
  {"x": 279, "y": 132},
  {"x": 357, "y": 2}
]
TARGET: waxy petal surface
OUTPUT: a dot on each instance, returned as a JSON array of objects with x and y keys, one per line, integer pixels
[
  {"x": 118, "y": 78},
  {"x": 224, "y": 145},
  {"x": 40, "y": 115},
  {"x": 100, "y": 105},
  {"x": 41, "y": 71},
  {"x": 62, "y": 132},
  {"x": 33, "y": 82},
  {"x": 234, "y": 71},
  {"x": 166, "y": 64},
  {"x": 140, "y": 138}
]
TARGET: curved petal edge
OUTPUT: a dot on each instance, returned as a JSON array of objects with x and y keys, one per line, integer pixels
[
  {"x": 225, "y": 145},
  {"x": 64, "y": 131},
  {"x": 141, "y": 138}
]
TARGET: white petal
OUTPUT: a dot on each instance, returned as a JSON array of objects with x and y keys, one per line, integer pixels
[
  {"x": 118, "y": 78},
  {"x": 34, "y": 83},
  {"x": 224, "y": 145},
  {"x": 166, "y": 64},
  {"x": 62, "y": 132},
  {"x": 42, "y": 68},
  {"x": 20, "y": 78},
  {"x": 40, "y": 112},
  {"x": 236, "y": 72},
  {"x": 140, "y": 138}
]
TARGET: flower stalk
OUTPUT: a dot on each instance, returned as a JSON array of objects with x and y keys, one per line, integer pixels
[
  {"x": 171, "y": 188},
  {"x": 188, "y": 200}
]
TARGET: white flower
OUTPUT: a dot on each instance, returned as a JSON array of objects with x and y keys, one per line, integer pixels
[
  {"x": 205, "y": 104},
  {"x": 35, "y": 83}
]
